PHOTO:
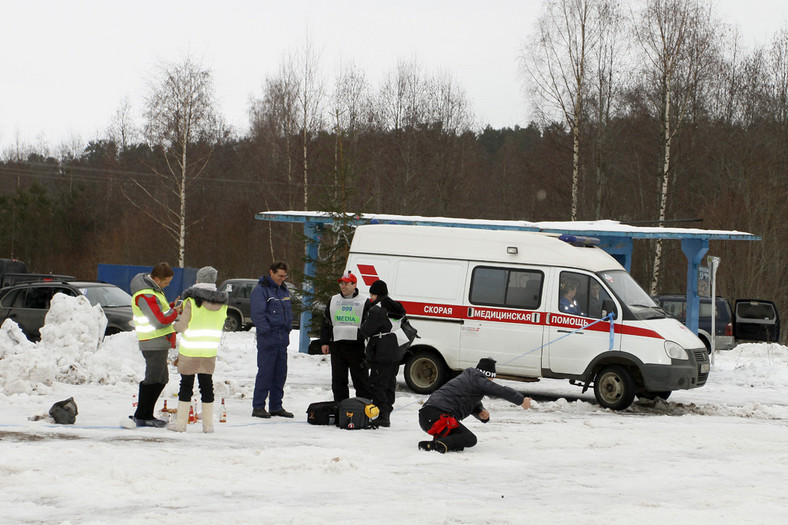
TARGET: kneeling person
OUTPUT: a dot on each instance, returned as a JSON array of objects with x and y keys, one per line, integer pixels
[{"x": 459, "y": 398}]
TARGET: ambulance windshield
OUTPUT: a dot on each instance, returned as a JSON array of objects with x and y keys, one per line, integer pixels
[{"x": 630, "y": 293}]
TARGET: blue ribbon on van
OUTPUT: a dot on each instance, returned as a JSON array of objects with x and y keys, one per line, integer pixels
[{"x": 609, "y": 317}]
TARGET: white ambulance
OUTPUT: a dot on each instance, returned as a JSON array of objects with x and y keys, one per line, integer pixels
[{"x": 539, "y": 305}]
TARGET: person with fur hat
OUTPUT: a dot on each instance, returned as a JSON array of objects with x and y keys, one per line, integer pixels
[
  {"x": 153, "y": 319},
  {"x": 340, "y": 336},
  {"x": 459, "y": 398},
  {"x": 382, "y": 349},
  {"x": 201, "y": 323}
]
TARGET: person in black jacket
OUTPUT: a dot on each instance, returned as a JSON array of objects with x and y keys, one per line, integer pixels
[
  {"x": 382, "y": 349},
  {"x": 459, "y": 398},
  {"x": 340, "y": 336}
]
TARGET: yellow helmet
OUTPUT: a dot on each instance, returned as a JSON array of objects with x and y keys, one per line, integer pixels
[{"x": 371, "y": 411}]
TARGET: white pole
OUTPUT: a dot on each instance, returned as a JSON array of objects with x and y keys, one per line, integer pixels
[{"x": 714, "y": 262}]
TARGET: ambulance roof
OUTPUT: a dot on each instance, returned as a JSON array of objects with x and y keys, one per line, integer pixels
[{"x": 479, "y": 245}]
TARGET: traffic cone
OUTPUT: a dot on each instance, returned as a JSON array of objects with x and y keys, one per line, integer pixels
[
  {"x": 192, "y": 418},
  {"x": 223, "y": 413}
]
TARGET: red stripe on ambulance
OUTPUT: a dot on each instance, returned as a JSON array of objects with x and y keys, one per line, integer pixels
[
  {"x": 368, "y": 273},
  {"x": 501, "y": 315}
]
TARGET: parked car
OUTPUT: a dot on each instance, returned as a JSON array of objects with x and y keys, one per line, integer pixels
[
  {"x": 675, "y": 305},
  {"x": 14, "y": 271},
  {"x": 239, "y": 311},
  {"x": 27, "y": 304},
  {"x": 755, "y": 320}
]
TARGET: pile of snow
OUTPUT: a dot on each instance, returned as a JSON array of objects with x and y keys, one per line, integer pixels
[{"x": 70, "y": 350}]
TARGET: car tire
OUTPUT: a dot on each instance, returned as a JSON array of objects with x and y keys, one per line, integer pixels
[
  {"x": 614, "y": 387},
  {"x": 232, "y": 323},
  {"x": 425, "y": 372}
]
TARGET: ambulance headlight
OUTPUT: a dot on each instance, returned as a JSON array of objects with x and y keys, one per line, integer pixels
[{"x": 675, "y": 351}]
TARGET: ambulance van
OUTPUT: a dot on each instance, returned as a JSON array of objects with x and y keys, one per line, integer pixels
[{"x": 541, "y": 305}]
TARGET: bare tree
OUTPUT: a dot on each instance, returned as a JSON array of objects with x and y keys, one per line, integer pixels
[
  {"x": 180, "y": 114},
  {"x": 402, "y": 107},
  {"x": 556, "y": 66},
  {"x": 310, "y": 99},
  {"x": 274, "y": 122},
  {"x": 676, "y": 37},
  {"x": 351, "y": 112},
  {"x": 605, "y": 88},
  {"x": 122, "y": 129}
]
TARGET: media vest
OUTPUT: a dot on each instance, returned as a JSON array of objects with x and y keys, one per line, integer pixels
[
  {"x": 346, "y": 316},
  {"x": 142, "y": 325},
  {"x": 204, "y": 333}
]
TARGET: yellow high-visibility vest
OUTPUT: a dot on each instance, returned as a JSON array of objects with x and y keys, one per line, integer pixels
[
  {"x": 202, "y": 336},
  {"x": 142, "y": 325}
]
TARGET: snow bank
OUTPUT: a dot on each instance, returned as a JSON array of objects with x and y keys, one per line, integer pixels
[{"x": 70, "y": 350}]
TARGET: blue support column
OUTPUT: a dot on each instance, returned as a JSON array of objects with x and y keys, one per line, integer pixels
[
  {"x": 694, "y": 249},
  {"x": 620, "y": 248},
  {"x": 312, "y": 230}
]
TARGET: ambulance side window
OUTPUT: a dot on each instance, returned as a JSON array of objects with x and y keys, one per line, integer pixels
[
  {"x": 506, "y": 287},
  {"x": 580, "y": 294}
]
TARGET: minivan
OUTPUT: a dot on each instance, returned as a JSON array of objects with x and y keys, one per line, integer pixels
[{"x": 540, "y": 304}]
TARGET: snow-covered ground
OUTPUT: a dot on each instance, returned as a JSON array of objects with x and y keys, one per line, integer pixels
[{"x": 717, "y": 454}]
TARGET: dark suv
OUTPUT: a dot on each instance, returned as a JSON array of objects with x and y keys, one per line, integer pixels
[
  {"x": 239, "y": 312},
  {"x": 675, "y": 305},
  {"x": 27, "y": 304}
]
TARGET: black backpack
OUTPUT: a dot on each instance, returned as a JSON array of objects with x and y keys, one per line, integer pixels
[
  {"x": 322, "y": 413},
  {"x": 356, "y": 413}
]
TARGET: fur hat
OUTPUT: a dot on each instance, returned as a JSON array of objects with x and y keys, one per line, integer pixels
[
  {"x": 207, "y": 274},
  {"x": 486, "y": 366},
  {"x": 379, "y": 288}
]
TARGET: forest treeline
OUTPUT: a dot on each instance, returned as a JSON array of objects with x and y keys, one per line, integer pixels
[{"x": 180, "y": 186}]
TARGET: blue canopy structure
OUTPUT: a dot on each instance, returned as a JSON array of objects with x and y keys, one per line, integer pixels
[{"x": 615, "y": 238}]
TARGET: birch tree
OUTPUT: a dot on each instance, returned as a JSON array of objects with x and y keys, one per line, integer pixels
[
  {"x": 676, "y": 37},
  {"x": 310, "y": 100},
  {"x": 556, "y": 67},
  {"x": 274, "y": 123},
  {"x": 179, "y": 114}
]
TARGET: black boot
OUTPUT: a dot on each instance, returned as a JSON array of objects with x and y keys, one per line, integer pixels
[{"x": 148, "y": 396}]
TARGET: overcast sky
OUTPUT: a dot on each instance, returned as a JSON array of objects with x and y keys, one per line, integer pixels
[{"x": 67, "y": 65}]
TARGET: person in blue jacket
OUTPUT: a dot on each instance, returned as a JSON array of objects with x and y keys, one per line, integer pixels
[{"x": 272, "y": 316}]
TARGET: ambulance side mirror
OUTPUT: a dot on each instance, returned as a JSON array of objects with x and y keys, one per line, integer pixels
[{"x": 608, "y": 307}]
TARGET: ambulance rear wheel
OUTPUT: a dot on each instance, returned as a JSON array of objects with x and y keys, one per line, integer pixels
[
  {"x": 425, "y": 372},
  {"x": 614, "y": 387}
]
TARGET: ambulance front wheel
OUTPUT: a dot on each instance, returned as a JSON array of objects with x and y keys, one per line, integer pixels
[
  {"x": 614, "y": 387},
  {"x": 425, "y": 371}
]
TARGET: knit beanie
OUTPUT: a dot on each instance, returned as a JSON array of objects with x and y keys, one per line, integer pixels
[
  {"x": 379, "y": 288},
  {"x": 486, "y": 366},
  {"x": 207, "y": 274}
]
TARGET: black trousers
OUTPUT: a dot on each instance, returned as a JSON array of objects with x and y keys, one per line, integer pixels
[
  {"x": 383, "y": 384},
  {"x": 349, "y": 358},
  {"x": 187, "y": 388},
  {"x": 457, "y": 439}
]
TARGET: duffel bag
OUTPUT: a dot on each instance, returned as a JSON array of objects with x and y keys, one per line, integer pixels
[{"x": 322, "y": 413}]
